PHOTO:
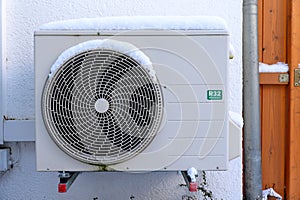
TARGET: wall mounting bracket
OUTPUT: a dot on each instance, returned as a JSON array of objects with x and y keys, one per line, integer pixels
[
  {"x": 66, "y": 179},
  {"x": 192, "y": 186}
]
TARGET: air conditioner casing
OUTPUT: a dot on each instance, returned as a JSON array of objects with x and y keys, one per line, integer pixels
[{"x": 191, "y": 67}]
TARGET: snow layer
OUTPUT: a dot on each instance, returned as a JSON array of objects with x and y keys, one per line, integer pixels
[
  {"x": 278, "y": 67},
  {"x": 122, "y": 47},
  {"x": 140, "y": 22}
]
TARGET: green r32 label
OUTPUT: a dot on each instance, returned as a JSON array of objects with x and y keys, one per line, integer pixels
[{"x": 214, "y": 95}]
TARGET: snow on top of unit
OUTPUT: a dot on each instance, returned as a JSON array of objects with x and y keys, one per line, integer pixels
[
  {"x": 140, "y": 22},
  {"x": 278, "y": 67},
  {"x": 122, "y": 47}
]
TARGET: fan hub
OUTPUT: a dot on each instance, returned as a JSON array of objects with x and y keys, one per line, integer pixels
[{"x": 101, "y": 105}]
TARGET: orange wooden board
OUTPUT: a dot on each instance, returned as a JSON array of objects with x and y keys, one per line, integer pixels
[
  {"x": 271, "y": 79},
  {"x": 272, "y": 19},
  {"x": 273, "y": 109},
  {"x": 260, "y": 28},
  {"x": 274, "y": 31}
]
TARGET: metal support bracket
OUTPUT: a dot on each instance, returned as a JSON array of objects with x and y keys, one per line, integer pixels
[
  {"x": 185, "y": 177},
  {"x": 192, "y": 186},
  {"x": 66, "y": 179}
]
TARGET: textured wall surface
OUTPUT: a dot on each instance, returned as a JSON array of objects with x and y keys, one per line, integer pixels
[{"x": 22, "y": 19}]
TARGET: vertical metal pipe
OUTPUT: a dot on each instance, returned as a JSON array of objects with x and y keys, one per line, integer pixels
[{"x": 251, "y": 102}]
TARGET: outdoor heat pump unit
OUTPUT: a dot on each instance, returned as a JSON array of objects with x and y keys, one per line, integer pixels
[{"x": 132, "y": 94}]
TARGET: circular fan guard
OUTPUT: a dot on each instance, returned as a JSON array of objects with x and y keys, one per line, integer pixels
[{"x": 102, "y": 107}]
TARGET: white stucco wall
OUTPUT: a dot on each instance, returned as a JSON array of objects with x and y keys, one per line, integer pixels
[{"x": 22, "y": 182}]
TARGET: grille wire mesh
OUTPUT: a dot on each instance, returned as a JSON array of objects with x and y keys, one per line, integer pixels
[{"x": 102, "y": 107}]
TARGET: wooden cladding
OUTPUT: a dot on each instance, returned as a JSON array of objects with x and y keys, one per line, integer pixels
[
  {"x": 279, "y": 41},
  {"x": 293, "y": 56},
  {"x": 274, "y": 31},
  {"x": 274, "y": 94}
]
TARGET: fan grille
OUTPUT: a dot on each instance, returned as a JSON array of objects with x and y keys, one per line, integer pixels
[{"x": 102, "y": 107}]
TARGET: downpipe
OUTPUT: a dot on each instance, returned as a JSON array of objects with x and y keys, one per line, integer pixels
[{"x": 251, "y": 103}]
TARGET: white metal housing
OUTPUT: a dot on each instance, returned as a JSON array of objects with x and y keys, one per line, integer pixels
[{"x": 191, "y": 67}]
